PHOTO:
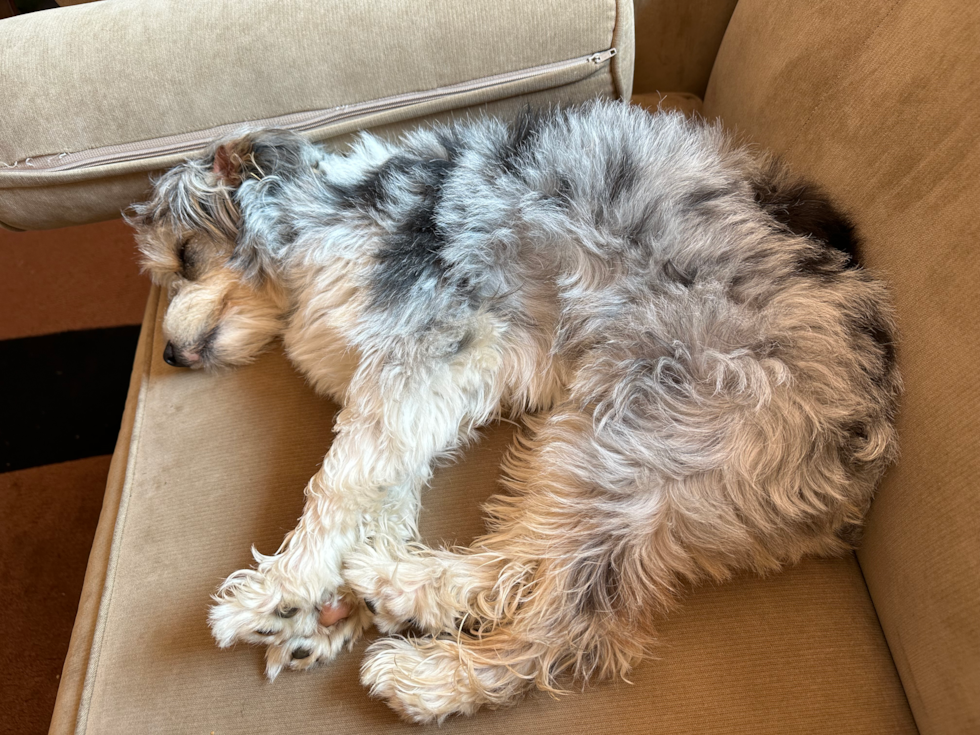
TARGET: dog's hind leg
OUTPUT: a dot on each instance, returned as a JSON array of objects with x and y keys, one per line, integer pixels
[{"x": 564, "y": 583}]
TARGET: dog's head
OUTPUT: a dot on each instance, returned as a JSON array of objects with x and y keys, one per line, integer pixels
[{"x": 226, "y": 300}]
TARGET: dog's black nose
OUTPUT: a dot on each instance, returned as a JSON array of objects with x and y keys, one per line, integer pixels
[{"x": 170, "y": 356}]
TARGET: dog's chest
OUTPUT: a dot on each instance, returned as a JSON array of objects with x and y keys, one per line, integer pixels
[{"x": 318, "y": 339}]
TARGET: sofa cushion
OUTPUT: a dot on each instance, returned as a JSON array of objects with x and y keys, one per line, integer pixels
[
  {"x": 890, "y": 130},
  {"x": 98, "y": 96},
  {"x": 210, "y": 464}
]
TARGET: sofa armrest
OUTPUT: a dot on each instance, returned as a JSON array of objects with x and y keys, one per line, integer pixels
[{"x": 100, "y": 95}]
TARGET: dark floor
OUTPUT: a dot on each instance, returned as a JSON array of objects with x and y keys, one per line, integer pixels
[{"x": 70, "y": 301}]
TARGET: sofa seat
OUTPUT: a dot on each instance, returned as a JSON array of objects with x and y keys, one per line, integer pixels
[{"x": 210, "y": 464}]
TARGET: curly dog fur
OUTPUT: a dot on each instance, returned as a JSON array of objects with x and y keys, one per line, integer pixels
[{"x": 707, "y": 381}]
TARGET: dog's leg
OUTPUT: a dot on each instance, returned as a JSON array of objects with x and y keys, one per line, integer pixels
[
  {"x": 437, "y": 590},
  {"x": 561, "y": 584},
  {"x": 394, "y": 424},
  {"x": 407, "y": 584},
  {"x": 294, "y": 601},
  {"x": 442, "y": 590}
]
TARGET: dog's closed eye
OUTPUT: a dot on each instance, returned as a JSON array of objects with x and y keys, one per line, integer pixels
[{"x": 185, "y": 260}]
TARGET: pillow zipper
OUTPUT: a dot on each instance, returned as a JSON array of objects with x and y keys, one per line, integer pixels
[{"x": 300, "y": 122}]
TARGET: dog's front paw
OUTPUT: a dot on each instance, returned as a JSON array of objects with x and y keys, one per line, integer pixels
[
  {"x": 251, "y": 607},
  {"x": 335, "y": 625},
  {"x": 402, "y": 590}
]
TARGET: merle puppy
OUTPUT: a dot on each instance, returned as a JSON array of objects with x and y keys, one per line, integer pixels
[{"x": 706, "y": 378}]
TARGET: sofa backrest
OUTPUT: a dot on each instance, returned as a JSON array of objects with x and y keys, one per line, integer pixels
[
  {"x": 677, "y": 41},
  {"x": 879, "y": 103}
]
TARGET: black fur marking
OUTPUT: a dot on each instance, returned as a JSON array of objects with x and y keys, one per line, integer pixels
[
  {"x": 562, "y": 191},
  {"x": 751, "y": 270},
  {"x": 411, "y": 257},
  {"x": 854, "y": 441},
  {"x": 673, "y": 273},
  {"x": 735, "y": 290},
  {"x": 647, "y": 226},
  {"x": 451, "y": 143},
  {"x": 521, "y": 133},
  {"x": 880, "y": 370},
  {"x": 245, "y": 259},
  {"x": 700, "y": 197},
  {"x": 600, "y": 580},
  {"x": 275, "y": 150},
  {"x": 804, "y": 210},
  {"x": 207, "y": 207},
  {"x": 186, "y": 260},
  {"x": 819, "y": 261},
  {"x": 620, "y": 177},
  {"x": 872, "y": 327},
  {"x": 670, "y": 376},
  {"x": 261, "y": 153},
  {"x": 463, "y": 344},
  {"x": 206, "y": 348},
  {"x": 622, "y": 174},
  {"x": 271, "y": 187},
  {"x": 374, "y": 191},
  {"x": 851, "y": 534},
  {"x": 564, "y": 188},
  {"x": 287, "y": 231}
]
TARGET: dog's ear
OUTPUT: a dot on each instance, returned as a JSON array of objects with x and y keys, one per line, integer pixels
[
  {"x": 257, "y": 155},
  {"x": 226, "y": 167},
  {"x": 231, "y": 159}
]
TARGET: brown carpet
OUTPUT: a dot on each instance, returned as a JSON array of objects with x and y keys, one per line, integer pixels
[
  {"x": 75, "y": 281},
  {"x": 49, "y": 516},
  {"x": 69, "y": 279}
]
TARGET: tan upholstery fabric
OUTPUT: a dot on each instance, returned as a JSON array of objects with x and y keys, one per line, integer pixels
[
  {"x": 677, "y": 41},
  {"x": 94, "y": 199},
  {"x": 210, "y": 464},
  {"x": 103, "y": 74},
  {"x": 890, "y": 129},
  {"x": 81, "y": 651}
]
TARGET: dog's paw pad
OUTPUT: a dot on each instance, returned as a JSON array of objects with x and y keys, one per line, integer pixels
[
  {"x": 317, "y": 643},
  {"x": 333, "y": 613}
]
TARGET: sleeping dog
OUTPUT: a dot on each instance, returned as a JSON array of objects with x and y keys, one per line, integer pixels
[{"x": 706, "y": 381}]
